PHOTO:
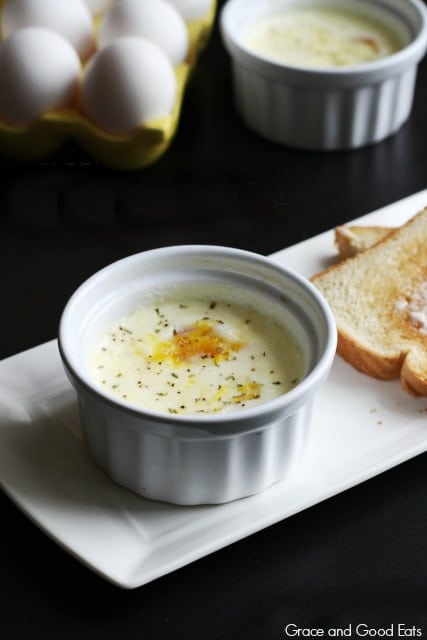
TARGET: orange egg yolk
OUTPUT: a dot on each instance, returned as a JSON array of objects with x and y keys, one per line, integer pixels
[{"x": 197, "y": 340}]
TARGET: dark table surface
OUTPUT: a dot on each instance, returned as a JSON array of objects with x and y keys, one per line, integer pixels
[{"x": 357, "y": 558}]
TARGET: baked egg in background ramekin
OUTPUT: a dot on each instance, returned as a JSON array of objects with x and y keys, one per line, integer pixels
[
  {"x": 196, "y": 458},
  {"x": 325, "y": 108}
]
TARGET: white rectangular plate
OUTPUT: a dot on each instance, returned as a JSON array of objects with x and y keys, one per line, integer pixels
[{"x": 361, "y": 427}]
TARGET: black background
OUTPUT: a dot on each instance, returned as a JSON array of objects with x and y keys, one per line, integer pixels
[{"x": 357, "y": 558}]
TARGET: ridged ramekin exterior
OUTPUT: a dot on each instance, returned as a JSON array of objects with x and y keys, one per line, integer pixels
[
  {"x": 188, "y": 469},
  {"x": 323, "y": 119},
  {"x": 324, "y": 109}
]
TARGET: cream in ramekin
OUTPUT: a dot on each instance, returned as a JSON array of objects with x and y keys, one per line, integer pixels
[{"x": 193, "y": 349}]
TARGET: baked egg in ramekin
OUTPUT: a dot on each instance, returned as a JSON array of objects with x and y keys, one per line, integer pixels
[
  {"x": 195, "y": 369},
  {"x": 324, "y": 74}
]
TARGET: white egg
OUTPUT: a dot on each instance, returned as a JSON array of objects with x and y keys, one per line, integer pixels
[
  {"x": 192, "y": 9},
  {"x": 128, "y": 83},
  {"x": 97, "y": 6},
  {"x": 155, "y": 20},
  {"x": 39, "y": 72},
  {"x": 69, "y": 18}
]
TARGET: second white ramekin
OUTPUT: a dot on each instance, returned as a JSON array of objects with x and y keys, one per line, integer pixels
[{"x": 324, "y": 109}]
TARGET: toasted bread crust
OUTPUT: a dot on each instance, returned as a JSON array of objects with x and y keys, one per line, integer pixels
[
  {"x": 379, "y": 299},
  {"x": 351, "y": 239},
  {"x": 367, "y": 361},
  {"x": 413, "y": 376}
]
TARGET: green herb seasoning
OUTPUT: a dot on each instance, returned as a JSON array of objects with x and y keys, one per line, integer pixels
[{"x": 198, "y": 350}]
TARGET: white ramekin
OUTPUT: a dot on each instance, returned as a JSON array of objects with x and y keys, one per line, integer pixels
[
  {"x": 323, "y": 109},
  {"x": 193, "y": 459}
]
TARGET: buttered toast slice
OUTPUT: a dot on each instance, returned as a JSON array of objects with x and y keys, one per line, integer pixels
[
  {"x": 349, "y": 239},
  {"x": 379, "y": 299}
]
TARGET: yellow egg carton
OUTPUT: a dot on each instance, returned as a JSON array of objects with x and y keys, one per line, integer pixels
[{"x": 130, "y": 151}]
